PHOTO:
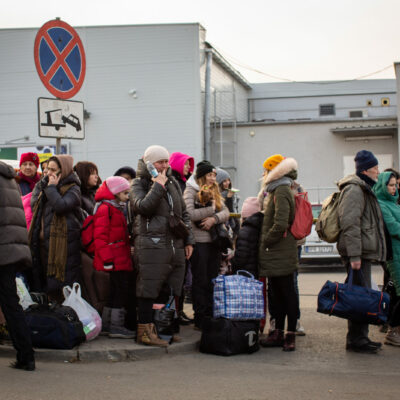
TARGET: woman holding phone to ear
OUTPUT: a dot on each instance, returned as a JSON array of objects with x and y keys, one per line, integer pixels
[{"x": 54, "y": 234}]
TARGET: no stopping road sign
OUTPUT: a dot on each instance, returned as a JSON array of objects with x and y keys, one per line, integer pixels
[{"x": 60, "y": 58}]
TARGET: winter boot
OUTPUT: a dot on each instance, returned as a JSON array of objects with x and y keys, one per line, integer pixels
[
  {"x": 289, "y": 343},
  {"x": 147, "y": 335},
  {"x": 274, "y": 339},
  {"x": 117, "y": 328},
  {"x": 105, "y": 321},
  {"x": 393, "y": 336}
]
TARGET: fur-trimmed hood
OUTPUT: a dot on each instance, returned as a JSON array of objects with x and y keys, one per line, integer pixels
[{"x": 283, "y": 168}]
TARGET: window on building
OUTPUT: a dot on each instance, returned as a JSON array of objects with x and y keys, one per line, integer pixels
[{"x": 327, "y": 109}]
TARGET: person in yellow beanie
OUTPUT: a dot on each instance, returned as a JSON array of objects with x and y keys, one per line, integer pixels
[{"x": 271, "y": 162}]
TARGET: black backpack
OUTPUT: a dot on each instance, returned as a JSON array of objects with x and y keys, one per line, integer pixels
[{"x": 54, "y": 326}]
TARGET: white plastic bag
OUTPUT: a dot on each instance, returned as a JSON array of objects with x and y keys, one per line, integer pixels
[
  {"x": 25, "y": 299},
  {"x": 89, "y": 317}
]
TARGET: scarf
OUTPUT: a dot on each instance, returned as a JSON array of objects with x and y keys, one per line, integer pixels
[
  {"x": 284, "y": 181},
  {"x": 31, "y": 180},
  {"x": 370, "y": 182},
  {"x": 58, "y": 240}
]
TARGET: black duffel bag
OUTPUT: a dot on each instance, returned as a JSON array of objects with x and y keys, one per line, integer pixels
[
  {"x": 54, "y": 326},
  {"x": 225, "y": 337}
]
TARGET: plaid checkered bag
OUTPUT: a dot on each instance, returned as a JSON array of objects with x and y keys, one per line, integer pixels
[{"x": 238, "y": 297}]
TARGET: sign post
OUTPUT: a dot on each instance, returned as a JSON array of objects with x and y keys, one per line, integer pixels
[{"x": 61, "y": 64}]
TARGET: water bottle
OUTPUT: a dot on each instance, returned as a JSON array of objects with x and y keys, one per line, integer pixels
[{"x": 152, "y": 169}]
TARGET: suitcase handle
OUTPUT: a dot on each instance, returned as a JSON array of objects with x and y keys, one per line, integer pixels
[{"x": 244, "y": 272}]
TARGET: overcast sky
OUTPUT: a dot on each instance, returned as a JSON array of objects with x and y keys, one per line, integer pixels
[{"x": 300, "y": 40}]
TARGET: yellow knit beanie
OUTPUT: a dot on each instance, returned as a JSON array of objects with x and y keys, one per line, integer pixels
[{"x": 271, "y": 162}]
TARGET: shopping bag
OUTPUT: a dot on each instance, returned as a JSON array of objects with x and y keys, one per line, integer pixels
[
  {"x": 25, "y": 299},
  {"x": 238, "y": 297},
  {"x": 89, "y": 317},
  {"x": 356, "y": 303}
]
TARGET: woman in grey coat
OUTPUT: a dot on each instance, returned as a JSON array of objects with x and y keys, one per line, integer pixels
[{"x": 159, "y": 251}]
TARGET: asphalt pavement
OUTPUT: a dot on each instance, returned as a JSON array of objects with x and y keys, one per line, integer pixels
[{"x": 320, "y": 368}]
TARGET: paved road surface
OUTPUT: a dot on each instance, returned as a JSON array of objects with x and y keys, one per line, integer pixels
[{"x": 319, "y": 369}]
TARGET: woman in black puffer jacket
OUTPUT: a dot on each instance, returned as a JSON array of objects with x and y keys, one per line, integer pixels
[
  {"x": 54, "y": 233},
  {"x": 88, "y": 174},
  {"x": 247, "y": 242}
]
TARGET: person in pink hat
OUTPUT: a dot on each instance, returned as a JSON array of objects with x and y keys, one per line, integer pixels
[{"x": 112, "y": 251}]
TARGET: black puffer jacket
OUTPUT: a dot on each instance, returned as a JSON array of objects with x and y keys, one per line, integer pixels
[
  {"x": 14, "y": 247},
  {"x": 157, "y": 251},
  {"x": 67, "y": 205},
  {"x": 88, "y": 201},
  {"x": 247, "y": 243}
]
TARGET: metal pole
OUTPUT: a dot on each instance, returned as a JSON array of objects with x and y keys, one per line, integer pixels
[
  {"x": 58, "y": 145},
  {"x": 207, "y": 101}
]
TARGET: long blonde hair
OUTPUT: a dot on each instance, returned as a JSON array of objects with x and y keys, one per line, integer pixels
[{"x": 214, "y": 189}]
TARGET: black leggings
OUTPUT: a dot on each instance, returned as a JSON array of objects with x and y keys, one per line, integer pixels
[
  {"x": 119, "y": 289},
  {"x": 285, "y": 301}
]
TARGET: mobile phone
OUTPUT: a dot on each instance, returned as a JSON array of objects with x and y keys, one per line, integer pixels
[{"x": 234, "y": 190}]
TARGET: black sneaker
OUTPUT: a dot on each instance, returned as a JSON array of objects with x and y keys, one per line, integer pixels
[
  {"x": 184, "y": 319},
  {"x": 366, "y": 348},
  {"x": 26, "y": 366}
]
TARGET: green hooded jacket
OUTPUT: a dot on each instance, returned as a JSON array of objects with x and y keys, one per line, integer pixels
[{"x": 391, "y": 215}]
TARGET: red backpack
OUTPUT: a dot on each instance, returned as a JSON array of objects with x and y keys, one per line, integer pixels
[
  {"x": 87, "y": 230},
  {"x": 303, "y": 217}
]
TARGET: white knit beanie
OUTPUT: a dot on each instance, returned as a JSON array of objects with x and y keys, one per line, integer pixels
[{"x": 155, "y": 153}]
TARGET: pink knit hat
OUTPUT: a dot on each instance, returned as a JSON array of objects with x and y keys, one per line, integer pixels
[
  {"x": 250, "y": 207},
  {"x": 117, "y": 184}
]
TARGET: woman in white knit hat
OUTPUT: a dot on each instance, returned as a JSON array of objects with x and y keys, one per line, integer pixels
[{"x": 160, "y": 251}]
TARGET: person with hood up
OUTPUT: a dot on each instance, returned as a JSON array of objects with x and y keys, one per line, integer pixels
[
  {"x": 160, "y": 249},
  {"x": 387, "y": 193},
  {"x": 54, "y": 234},
  {"x": 14, "y": 256},
  {"x": 182, "y": 167},
  {"x": 206, "y": 259},
  {"x": 278, "y": 248},
  {"x": 27, "y": 177},
  {"x": 112, "y": 252}
]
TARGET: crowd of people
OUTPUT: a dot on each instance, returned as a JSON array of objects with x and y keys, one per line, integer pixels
[{"x": 170, "y": 225}]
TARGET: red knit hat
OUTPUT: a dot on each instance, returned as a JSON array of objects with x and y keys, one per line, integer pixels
[{"x": 33, "y": 157}]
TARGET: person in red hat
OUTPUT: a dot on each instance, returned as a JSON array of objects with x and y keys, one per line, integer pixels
[{"x": 28, "y": 176}]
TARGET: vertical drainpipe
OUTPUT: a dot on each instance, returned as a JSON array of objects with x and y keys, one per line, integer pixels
[
  {"x": 207, "y": 102},
  {"x": 397, "y": 71}
]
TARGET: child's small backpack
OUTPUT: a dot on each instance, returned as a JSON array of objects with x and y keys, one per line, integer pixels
[
  {"x": 327, "y": 225},
  {"x": 303, "y": 218},
  {"x": 87, "y": 231}
]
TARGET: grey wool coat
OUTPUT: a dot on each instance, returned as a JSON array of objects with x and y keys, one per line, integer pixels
[
  {"x": 159, "y": 254},
  {"x": 14, "y": 247}
]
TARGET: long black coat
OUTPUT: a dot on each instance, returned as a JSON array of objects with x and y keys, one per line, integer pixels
[
  {"x": 158, "y": 253},
  {"x": 247, "y": 243},
  {"x": 67, "y": 205},
  {"x": 14, "y": 247}
]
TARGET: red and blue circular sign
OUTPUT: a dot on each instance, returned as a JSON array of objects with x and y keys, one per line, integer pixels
[{"x": 60, "y": 58}]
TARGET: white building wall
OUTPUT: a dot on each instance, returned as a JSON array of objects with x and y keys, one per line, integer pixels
[
  {"x": 161, "y": 62},
  {"x": 319, "y": 152}
]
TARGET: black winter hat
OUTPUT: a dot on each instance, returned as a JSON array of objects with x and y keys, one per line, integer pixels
[
  {"x": 203, "y": 168},
  {"x": 126, "y": 170},
  {"x": 365, "y": 160}
]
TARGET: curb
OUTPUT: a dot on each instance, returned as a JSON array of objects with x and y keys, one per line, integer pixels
[{"x": 104, "y": 349}]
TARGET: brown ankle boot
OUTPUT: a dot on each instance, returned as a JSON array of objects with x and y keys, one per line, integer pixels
[
  {"x": 290, "y": 342},
  {"x": 274, "y": 339},
  {"x": 147, "y": 334}
]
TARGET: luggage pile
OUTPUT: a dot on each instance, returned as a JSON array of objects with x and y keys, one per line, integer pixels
[{"x": 238, "y": 309}]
